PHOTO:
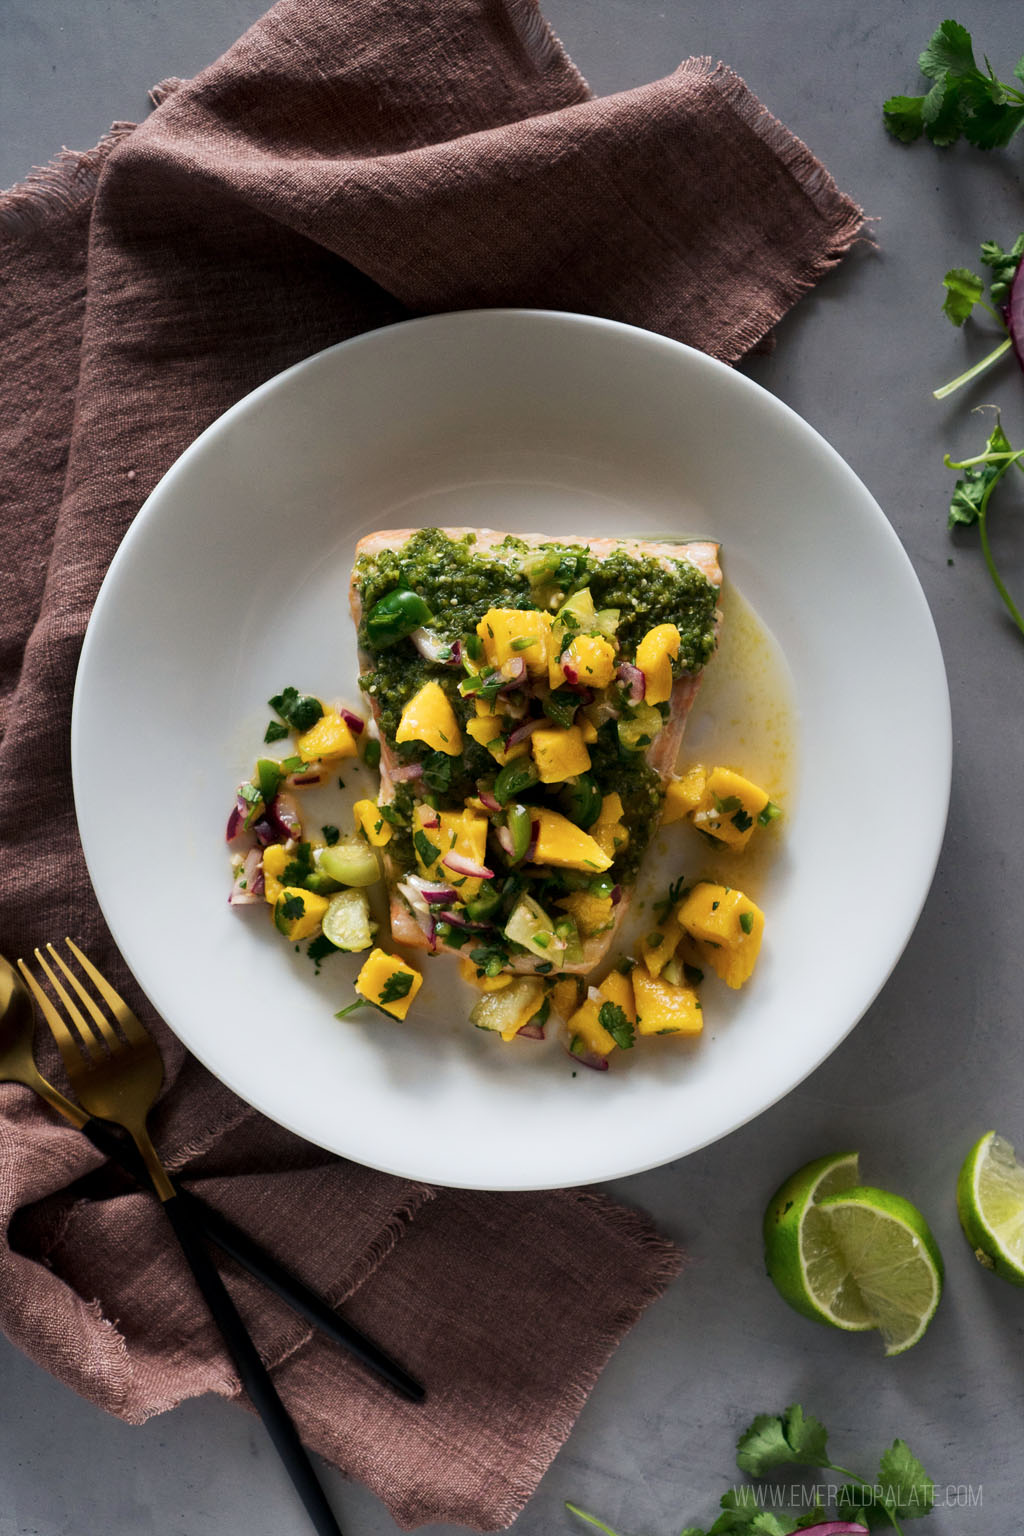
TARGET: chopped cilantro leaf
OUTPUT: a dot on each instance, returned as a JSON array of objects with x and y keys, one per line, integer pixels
[
  {"x": 747, "y": 922},
  {"x": 276, "y": 731},
  {"x": 397, "y": 986},
  {"x": 612, "y": 1018},
  {"x": 427, "y": 850},
  {"x": 331, "y": 834}
]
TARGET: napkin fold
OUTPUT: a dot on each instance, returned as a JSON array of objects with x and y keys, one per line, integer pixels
[{"x": 346, "y": 164}]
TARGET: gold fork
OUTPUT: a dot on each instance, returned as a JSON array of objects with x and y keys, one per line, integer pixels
[{"x": 117, "y": 1077}]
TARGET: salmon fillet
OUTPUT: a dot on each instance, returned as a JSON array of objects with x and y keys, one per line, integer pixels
[{"x": 661, "y": 756}]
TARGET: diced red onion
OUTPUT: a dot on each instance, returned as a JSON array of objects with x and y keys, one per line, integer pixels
[
  {"x": 835, "y": 1528},
  {"x": 513, "y": 670},
  {"x": 414, "y": 896},
  {"x": 283, "y": 815},
  {"x": 433, "y": 891},
  {"x": 407, "y": 771},
  {"x": 355, "y": 723},
  {"x": 455, "y": 659},
  {"x": 530, "y": 853},
  {"x": 530, "y": 1032},
  {"x": 429, "y": 817},
  {"x": 430, "y": 929},
  {"x": 487, "y": 799},
  {"x": 429, "y": 645},
  {"x": 615, "y": 895},
  {"x": 1015, "y": 314},
  {"x": 587, "y": 1058},
  {"x": 311, "y": 773},
  {"x": 569, "y": 667},
  {"x": 521, "y": 732},
  {"x": 460, "y": 865},
  {"x": 458, "y": 921},
  {"x": 507, "y": 842},
  {"x": 236, "y": 821},
  {"x": 265, "y": 832},
  {"x": 249, "y": 885},
  {"x": 634, "y": 680}
]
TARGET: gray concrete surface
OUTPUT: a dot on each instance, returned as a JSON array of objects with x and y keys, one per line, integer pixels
[{"x": 938, "y": 1058}]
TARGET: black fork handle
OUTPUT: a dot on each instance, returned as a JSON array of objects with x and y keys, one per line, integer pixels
[
  {"x": 239, "y": 1246},
  {"x": 254, "y": 1376}
]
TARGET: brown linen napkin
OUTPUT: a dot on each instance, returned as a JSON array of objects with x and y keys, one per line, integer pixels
[{"x": 345, "y": 164}]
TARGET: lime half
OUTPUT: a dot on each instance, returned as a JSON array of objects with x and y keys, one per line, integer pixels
[
  {"x": 881, "y": 1251},
  {"x": 796, "y": 1236},
  {"x": 990, "y": 1200}
]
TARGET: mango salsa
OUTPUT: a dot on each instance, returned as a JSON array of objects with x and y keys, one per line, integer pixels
[
  {"x": 559, "y": 753},
  {"x": 509, "y": 632},
  {"x": 683, "y": 795},
  {"x": 371, "y": 823},
  {"x": 664, "y": 1009},
  {"x": 654, "y": 656}
]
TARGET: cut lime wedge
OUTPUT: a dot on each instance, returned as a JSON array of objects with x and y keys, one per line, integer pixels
[
  {"x": 880, "y": 1256},
  {"x": 795, "y": 1234},
  {"x": 990, "y": 1200}
]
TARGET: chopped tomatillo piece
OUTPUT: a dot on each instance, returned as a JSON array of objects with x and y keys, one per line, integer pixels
[{"x": 520, "y": 825}]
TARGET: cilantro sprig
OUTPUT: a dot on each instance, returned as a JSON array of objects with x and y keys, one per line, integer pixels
[
  {"x": 966, "y": 289},
  {"x": 901, "y": 1490},
  {"x": 964, "y": 99},
  {"x": 972, "y": 495}
]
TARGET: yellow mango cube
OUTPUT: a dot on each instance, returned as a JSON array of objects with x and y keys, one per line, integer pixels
[
  {"x": 509, "y": 632},
  {"x": 371, "y": 823},
  {"x": 659, "y": 945},
  {"x": 592, "y": 658},
  {"x": 729, "y": 807},
  {"x": 588, "y": 730},
  {"x": 298, "y": 913},
  {"x": 429, "y": 717},
  {"x": 388, "y": 982},
  {"x": 275, "y": 858},
  {"x": 484, "y": 729},
  {"x": 484, "y": 983},
  {"x": 565, "y": 996},
  {"x": 460, "y": 832},
  {"x": 329, "y": 739},
  {"x": 585, "y": 1026},
  {"x": 683, "y": 795},
  {"x": 564, "y": 845},
  {"x": 728, "y": 928},
  {"x": 654, "y": 656},
  {"x": 609, "y": 830},
  {"x": 664, "y": 1009},
  {"x": 559, "y": 752},
  {"x": 591, "y": 914},
  {"x": 618, "y": 989}
]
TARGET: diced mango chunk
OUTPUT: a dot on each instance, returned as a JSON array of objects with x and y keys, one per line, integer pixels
[
  {"x": 729, "y": 807},
  {"x": 509, "y": 632},
  {"x": 387, "y": 981},
  {"x": 591, "y": 914},
  {"x": 585, "y": 1026},
  {"x": 459, "y": 832},
  {"x": 609, "y": 830},
  {"x": 371, "y": 823},
  {"x": 728, "y": 928},
  {"x": 330, "y": 738},
  {"x": 654, "y": 656},
  {"x": 617, "y": 988},
  {"x": 298, "y": 913},
  {"x": 592, "y": 658},
  {"x": 484, "y": 729},
  {"x": 664, "y": 1009},
  {"x": 659, "y": 945},
  {"x": 559, "y": 753},
  {"x": 565, "y": 996},
  {"x": 275, "y": 858},
  {"x": 588, "y": 730},
  {"x": 484, "y": 983},
  {"x": 429, "y": 717},
  {"x": 561, "y": 843},
  {"x": 683, "y": 795}
]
